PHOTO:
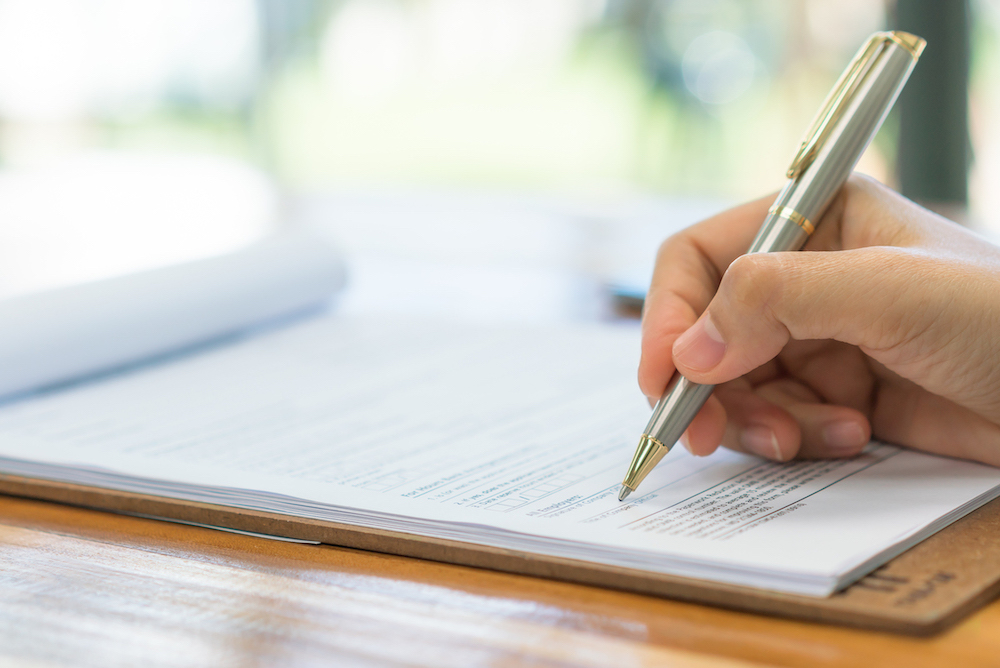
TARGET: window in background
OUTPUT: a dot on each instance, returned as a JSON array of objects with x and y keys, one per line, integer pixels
[
  {"x": 984, "y": 117},
  {"x": 125, "y": 136},
  {"x": 704, "y": 97},
  {"x": 176, "y": 75},
  {"x": 594, "y": 98}
]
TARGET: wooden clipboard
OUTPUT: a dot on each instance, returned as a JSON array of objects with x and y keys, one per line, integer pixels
[{"x": 920, "y": 592}]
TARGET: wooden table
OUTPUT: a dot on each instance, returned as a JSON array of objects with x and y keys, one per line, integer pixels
[{"x": 84, "y": 587}]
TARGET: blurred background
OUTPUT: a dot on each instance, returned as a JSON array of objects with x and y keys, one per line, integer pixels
[{"x": 562, "y": 135}]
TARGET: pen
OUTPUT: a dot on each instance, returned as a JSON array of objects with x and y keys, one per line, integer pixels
[{"x": 846, "y": 123}]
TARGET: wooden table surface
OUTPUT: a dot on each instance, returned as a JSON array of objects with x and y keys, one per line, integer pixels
[{"x": 83, "y": 587}]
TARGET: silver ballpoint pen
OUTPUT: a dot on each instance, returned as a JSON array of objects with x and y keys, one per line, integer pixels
[{"x": 846, "y": 123}]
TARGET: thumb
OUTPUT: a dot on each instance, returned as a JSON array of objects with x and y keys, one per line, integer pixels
[{"x": 856, "y": 296}]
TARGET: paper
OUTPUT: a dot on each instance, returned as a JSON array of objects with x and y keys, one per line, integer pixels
[
  {"x": 508, "y": 436},
  {"x": 61, "y": 335}
]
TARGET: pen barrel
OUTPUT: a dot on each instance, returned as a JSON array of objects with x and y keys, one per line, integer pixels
[
  {"x": 811, "y": 192},
  {"x": 676, "y": 408},
  {"x": 846, "y": 124},
  {"x": 680, "y": 402},
  {"x": 779, "y": 234}
]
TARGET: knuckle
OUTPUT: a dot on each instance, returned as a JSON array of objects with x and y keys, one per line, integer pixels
[
  {"x": 861, "y": 184},
  {"x": 879, "y": 216},
  {"x": 670, "y": 244},
  {"x": 752, "y": 279}
]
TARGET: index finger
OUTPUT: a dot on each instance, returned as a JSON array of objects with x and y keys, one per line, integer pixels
[{"x": 689, "y": 267}]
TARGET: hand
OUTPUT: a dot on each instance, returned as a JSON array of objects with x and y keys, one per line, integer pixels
[{"x": 891, "y": 331}]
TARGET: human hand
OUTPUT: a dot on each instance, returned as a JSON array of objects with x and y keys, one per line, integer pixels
[{"x": 892, "y": 332}]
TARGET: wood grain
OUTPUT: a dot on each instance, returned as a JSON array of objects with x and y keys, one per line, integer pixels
[
  {"x": 920, "y": 592},
  {"x": 81, "y": 587}
]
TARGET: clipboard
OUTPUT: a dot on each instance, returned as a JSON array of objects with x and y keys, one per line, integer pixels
[{"x": 921, "y": 592}]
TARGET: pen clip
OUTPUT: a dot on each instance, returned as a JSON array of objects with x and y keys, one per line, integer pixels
[{"x": 843, "y": 93}]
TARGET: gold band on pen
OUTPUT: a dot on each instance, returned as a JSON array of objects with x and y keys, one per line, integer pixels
[
  {"x": 653, "y": 440},
  {"x": 791, "y": 214}
]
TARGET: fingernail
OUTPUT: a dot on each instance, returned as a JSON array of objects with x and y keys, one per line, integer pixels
[
  {"x": 701, "y": 347},
  {"x": 844, "y": 438},
  {"x": 761, "y": 441}
]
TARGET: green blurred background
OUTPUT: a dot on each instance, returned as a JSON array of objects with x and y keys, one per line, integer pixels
[{"x": 585, "y": 98}]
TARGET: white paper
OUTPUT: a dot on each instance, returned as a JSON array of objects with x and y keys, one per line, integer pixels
[
  {"x": 63, "y": 334},
  {"x": 510, "y": 436}
]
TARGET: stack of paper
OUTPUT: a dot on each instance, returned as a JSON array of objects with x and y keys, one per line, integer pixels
[{"x": 512, "y": 437}]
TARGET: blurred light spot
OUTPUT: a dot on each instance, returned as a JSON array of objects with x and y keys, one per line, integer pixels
[
  {"x": 368, "y": 49},
  {"x": 104, "y": 214},
  {"x": 841, "y": 25},
  {"x": 718, "y": 67},
  {"x": 374, "y": 49},
  {"x": 64, "y": 59}
]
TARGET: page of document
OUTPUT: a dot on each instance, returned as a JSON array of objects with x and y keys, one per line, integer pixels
[
  {"x": 511, "y": 436},
  {"x": 59, "y": 335}
]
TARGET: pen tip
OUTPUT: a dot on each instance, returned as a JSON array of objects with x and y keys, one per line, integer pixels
[{"x": 623, "y": 493}]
